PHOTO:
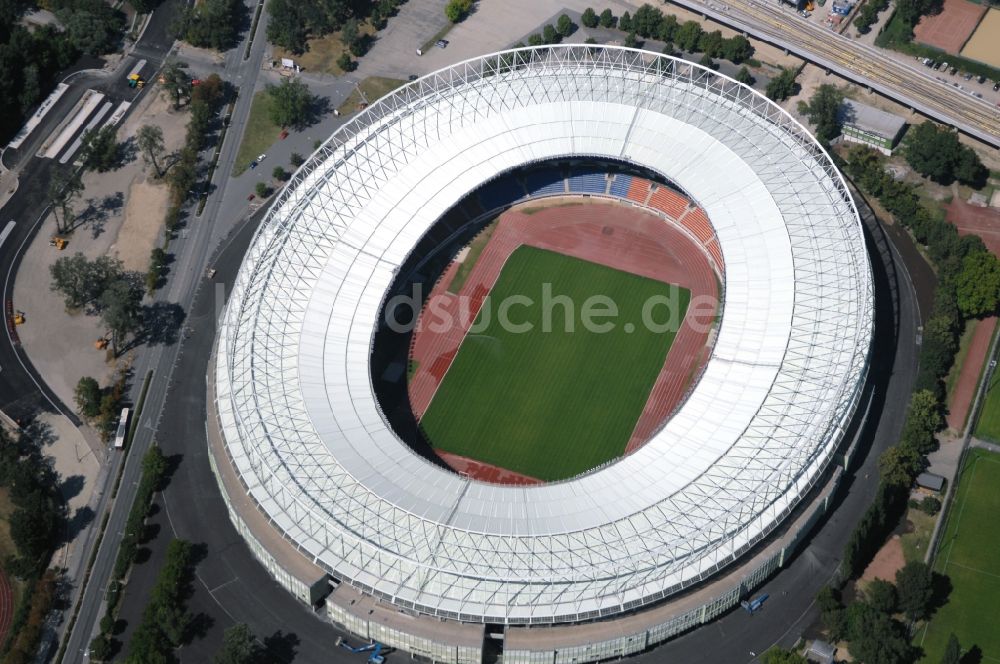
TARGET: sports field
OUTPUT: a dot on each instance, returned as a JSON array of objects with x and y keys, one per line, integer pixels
[
  {"x": 551, "y": 403},
  {"x": 970, "y": 556},
  {"x": 988, "y": 424}
]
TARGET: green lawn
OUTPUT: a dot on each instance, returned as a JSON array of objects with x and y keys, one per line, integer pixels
[
  {"x": 918, "y": 534},
  {"x": 988, "y": 425},
  {"x": 260, "y": 135},
  {"x": 963, "y": 350},
  {"x": 970, "y": 556},
  {"x": 552, "y": 404},
  {"x": 371, "y": 89}
]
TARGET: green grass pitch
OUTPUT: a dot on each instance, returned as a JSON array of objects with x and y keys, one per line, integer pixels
[
  {"x": 552, "y": 404},
  {"x": 970, "y": 556},
  {"x": 988, "y": 425}
]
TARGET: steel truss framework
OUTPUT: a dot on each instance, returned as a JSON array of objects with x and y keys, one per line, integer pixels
[{"x": 295, "y": 397}]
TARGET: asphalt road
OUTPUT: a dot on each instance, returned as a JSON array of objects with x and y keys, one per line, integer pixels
[{"x": 190, "y": 251}]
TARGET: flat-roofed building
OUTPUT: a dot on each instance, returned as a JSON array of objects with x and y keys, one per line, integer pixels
[{"x": 871, "y": 126}]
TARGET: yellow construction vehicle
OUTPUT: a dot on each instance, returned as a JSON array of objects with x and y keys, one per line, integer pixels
[
  {"x": 19, "y": 318},
  {"x": 135, "y": 81},
  {"x": 58, "y": 242}
]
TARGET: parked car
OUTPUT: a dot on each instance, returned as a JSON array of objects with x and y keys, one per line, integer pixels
[
  {"x": 953, "y": 71},
  {"x": 442, "y": 43},
  {"x": 996, "y": 86},
  {"x": 261, "y": 157},
  {"x": 968, "y": 76},
  {"x": 981, "y": 79},
  {"x": 253, "y": 164}
]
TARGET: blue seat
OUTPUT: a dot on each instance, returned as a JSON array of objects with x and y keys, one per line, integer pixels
[
  {"x": 499, "y": 193},
  {"x": 620, "y": 185},
  {"x": 545, "y": 181},
  {"x": 587, "y": 181}
]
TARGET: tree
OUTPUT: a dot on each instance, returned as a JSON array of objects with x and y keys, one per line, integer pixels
[
  {"x": 287, "y": 26},
  {"x": 211, "y": 24},
  {"x": 737, "y": 49},
  {"x": 899, "y": 464},
  {"x": 745, "y": 77},
  {"x": 291, "y": 103},
  {"x": 176, "y": 82},
  {"x": 535, "y": 40},
  {"x": 937, "y": 153},
  {"x": 952, "y": 651},
  {"x": 549, "y": 34},
  {"x": 607, "y": 19},
  {"x": 279, "y": 174},
  {"x": 34, "y": 527},
  {"x": 977, "y": 286},
  {"x": 296, "y": 159},
  {"x": 711, "y": 43},
  {"x": 782, "y": 86},
  {"x": 82, "y": 281},
  {"x": 589, "y": 18},
  {"x": 120, "y": 311},
  {"x": 915, "y": 587},
  {"x": 64, "y": 188},
  {"x": 101, "y": 648},
  {"x": 707, "y": 61},
  {"x": 646, "y": 21},
  {"x": 688, "y": 35},
  {"x": 238, "y": 646},
  {"x": 263, "y": 190},
  {"x": 625, "y": 22},
  {"x": 100, "y": 149},
  {"x": 667, "y": 29},
  {"x": 876, "y": 637},
  {"x": 345, "y": 63},
  {"x": 92, "y": 26},
  {"x": 776, "y": 655},
  {"x": 456, "y": 10},
  {"x": 349, "y": 33},
  {"x": 565, "y": 25},
  {"x": 87, "y": 396},
  {"x": 630, "y": 40},
  {"x": 923, "y": 420},
  {"x": 831, "y": 612},
  {"x": 823, "y": 110},
  {"x": 881, "y": 595},
  {"x": 149, "y": 141}
]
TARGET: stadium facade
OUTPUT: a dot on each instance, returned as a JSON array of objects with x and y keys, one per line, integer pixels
[{"x": 329, "y": 498}]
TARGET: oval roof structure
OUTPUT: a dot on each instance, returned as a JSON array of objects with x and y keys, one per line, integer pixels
[{"x": 296, "y": 401}]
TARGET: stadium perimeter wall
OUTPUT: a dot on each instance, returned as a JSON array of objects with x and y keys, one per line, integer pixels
[{"x": 451, "y": 642}]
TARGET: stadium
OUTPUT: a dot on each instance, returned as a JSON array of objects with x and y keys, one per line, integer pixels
[{"x": 331, "y": 426}]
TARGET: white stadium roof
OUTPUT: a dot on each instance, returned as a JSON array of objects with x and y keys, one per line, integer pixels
[{"x": 296, "y": 400}]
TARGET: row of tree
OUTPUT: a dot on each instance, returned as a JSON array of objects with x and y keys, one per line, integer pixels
[
  {"x": 154, "y": 473},
  {"x": 551, "y": 34},
  {"x": 166, "y": 622},
  {"x": 294, "y": 22}
]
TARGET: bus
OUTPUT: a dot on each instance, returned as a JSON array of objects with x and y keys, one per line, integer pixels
[{"x": 122, "y": 429}]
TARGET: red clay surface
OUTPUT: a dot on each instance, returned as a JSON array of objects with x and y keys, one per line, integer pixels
[
  {"x": 6, "y": 605},
  {"x": 984, "y": 222},
  {"x": 968, "y": 377},
  {"x": 618, "y": 236},
  {"x": 950, "y": 29}
]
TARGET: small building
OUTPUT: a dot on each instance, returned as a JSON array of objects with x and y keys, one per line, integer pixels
[
  {"x": 820, "y": 652},
  {"x": 930, "y": 481},
  {"x": 871, "y": 126}
]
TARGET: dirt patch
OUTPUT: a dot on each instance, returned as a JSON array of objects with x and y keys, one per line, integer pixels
[
  {"x": 950, "y": 29},
  {"x": 144, "y": 213},
  {"x": 982, "y": 45},
  {"x": 887, "y": 562}
]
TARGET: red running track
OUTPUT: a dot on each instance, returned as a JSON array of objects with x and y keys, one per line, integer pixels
[{"x": 618, "y": 236}]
